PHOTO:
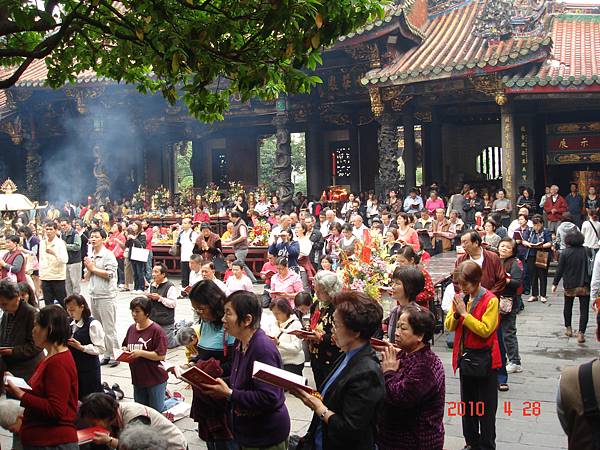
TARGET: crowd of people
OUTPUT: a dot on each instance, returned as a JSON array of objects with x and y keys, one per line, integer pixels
[{"x": 378, "y": 382}]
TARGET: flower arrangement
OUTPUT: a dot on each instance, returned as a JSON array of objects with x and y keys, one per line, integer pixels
[
  {"x": 367, "y": 270},
  {"x": 211, "y": 193},
  {"x": 160, "y": 198},
  {"x": 186, "y": 197},
  {"x": 258, "y": 235},
  {"x": 235, "y": 189},
  {"x": 139, "y": 198}
]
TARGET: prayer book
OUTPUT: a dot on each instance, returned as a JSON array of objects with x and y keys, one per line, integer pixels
[
  {"x": 517, "y": 236},
  {"x": 198, "y": 377},
  {"x": 18, "y": 382},
  {"x": 280, "y": 378},
  {"x": 5, "y": 348},
  {"x": 87, "y": 435},
  {"x": 302, "y": 334},
  {"x": 381, "y": 343},
  {"x": 122, "y": 356}
]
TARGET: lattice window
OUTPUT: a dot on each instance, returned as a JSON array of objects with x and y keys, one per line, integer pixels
[
  {"x": 343, "y": 161},
  {"x": 489, "y": 163},
  {"x": 220, "y": 172}
]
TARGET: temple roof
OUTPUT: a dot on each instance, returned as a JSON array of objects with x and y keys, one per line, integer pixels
[
  {"x": 37, "y": 73},
  {"x": 575, "y": 57},
  {"x": 409, "y": 16},
  {"x": 451, "y": 49}
]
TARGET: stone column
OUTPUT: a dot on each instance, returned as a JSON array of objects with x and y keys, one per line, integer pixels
[
  {"x": 408, "y": 154},
  {"x": 509, "y": 154},
  {"x": 103, "y": 183},
  {"x": 33, "y": 169},
  {"x": 283, "y": 162},
  {"x": 315, "y": 172},
  {"x": 387, "y": 141}
]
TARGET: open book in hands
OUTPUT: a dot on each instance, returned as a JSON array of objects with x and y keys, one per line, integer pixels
[
  {"x": 197, "y": 377},
  {"x": 122, "y": 356},
  {"x": 18, "y": 382},
  {"x": 302, "y": 334},
  {"x": 87, "y": 435},
  {"x": 280, "y": 378}
]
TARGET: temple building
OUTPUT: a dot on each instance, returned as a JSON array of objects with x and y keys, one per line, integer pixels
[{"x": 481, "y": 91}]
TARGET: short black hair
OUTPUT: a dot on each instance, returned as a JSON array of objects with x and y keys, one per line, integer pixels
[
  {"x": 8, "y": 289},
  {"x": 409, "y": 253},
  {"x": 473, "y": 236},
  {"x": 58, "y": 323},
  {"x": 235, "y": 213},
  {"x": 238, "y": 264},
  {"x": 14, "y": 239},
  {"x": 244, "y": 304},
  {"x": 161, "y": 266},
  {"x": 142, "y": 302},
  {"x": 574, "y": 239},
  {"x": 26, "y": 231},
  {"x": 99, "y": 406},
  {"x": 412, "y": 279},
  {"x": 303, "y": 299},
  {"x": 207, "y": 293},
  {"x": 100, "y": 231},
  {"x": 421, "y": 320},
  {"x": 50, "y": 224}
]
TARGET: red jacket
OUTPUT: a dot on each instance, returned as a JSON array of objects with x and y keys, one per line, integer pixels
[
  {"x": 9, "y": 258},
  {"x": 472, "y": 340},
  {"x": 493, "y": 277},
  {"x": 560, "y": 206}
]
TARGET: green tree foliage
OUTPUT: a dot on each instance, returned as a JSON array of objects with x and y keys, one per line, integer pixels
[
  {"x": 201, "y": 51},
  {"x": 267, "y": 150}
]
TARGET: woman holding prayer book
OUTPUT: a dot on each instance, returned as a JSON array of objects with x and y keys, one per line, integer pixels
[
  {"x": 413, "y": 410},
  {"x": 215, "y": 350},
  {"x": 353, "y": 392},
  {"x": 289, "y": 346},
  {"x": 146, "y": 344},
  {"x": 259, "y": 416},
  {"x": 51, "y": 404}
]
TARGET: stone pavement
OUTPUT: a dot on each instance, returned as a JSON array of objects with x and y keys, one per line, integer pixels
[{"x": 532, "y": 423}]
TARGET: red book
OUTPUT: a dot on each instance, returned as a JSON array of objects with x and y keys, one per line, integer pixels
[
  {"x": 517, "y": 236},
  {"x": 87, "y": 435},
  {"x": 122, "y": 356},
  {"x": 302, "y": 334},
  {"x": 279, "y": 377},
  {"x": 381, "y": 343},
  {"x": 198, "y": 377}
]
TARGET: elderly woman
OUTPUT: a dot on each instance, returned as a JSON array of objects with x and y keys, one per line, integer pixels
[
  {"x": 104, "y": 411},
  {"x": 51, "y": 404},
  {"x": 474, "y": 318},
  {"x": 260, "y": 417},
  {"x": 407, "y": 284},
  {"x": 391, "y": 246},
  {"x": 490, "y": 238},
  {"x": 285, "y": 283},
  {"x": 323, "y": 351},
  {"x": 413, "y": 410},
  {"x": 354, "y": 390}
]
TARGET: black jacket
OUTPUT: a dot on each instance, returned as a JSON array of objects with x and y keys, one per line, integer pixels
[
  {"x": 355, "y": 397},
  {"x": 572, "y": 268}
]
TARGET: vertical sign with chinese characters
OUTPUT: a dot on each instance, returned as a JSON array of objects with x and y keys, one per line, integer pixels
[{"x": 524, "y": 149}]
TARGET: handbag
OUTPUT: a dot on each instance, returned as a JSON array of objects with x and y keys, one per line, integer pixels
[
  {"x": 506, "y": 304},
  {"x": 10, "y": 276},
  {"x": 175, "y": 249},
  {"x": 541, "y": 259},
  {"x": 475, "y": 362},
  {"x": 139, "y": 254}
]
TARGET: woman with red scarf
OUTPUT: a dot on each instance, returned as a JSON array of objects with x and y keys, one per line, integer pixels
[
  {"x": 476, "y": 352},
  {"x": 13, "y": 262}
]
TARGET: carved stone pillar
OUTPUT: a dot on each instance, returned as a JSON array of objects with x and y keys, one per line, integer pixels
[
  {"x": 387, "y": 143},
  {"x": 509, "y": 156},
  {"x": 103, "y": 183},
  {"x": 33, "y": 169},
  {"x": 409, "y": 154},
  {"x": 283, "y": 162}
]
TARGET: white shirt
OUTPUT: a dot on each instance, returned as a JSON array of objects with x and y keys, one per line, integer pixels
[
  {"x": 514, "y": 226},
  {"x": 195, "y": 277},
  {"x": 591, "y": 236},
  {"x": 305, "y": 245},
  {"x": 289, "y": 346},
  {"x": 243, "y": 284},
  {"x": 478, "y": 261},
  {"x": 187, "y": 239},
  {"x": 96, "y": 336},
  {"x": 359, "y": 232}
]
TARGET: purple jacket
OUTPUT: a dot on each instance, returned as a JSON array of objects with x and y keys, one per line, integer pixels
[
  {"x": 258, "y": 413},
  {"x": 413, "y": 411}
]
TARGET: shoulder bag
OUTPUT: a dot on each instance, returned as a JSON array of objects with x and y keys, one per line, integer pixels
[
  {"x": 505, "y": 306},
  {"x": 475, "y": 362}
]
